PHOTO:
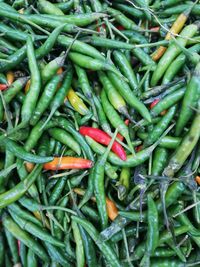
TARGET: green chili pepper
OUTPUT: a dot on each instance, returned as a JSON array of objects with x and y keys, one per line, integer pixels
[
  {"x": 104, "y": 247},
  {"x": 20, "y": 234}
]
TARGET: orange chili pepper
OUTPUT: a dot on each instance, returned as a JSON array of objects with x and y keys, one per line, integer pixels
[
  {"x": 10, "y": 77},
  {"x": 111, "y": 209},
  {"x": 197, "y": 179},
  {"x": 60, "y": 70},
  {"x": 68, "y": 163},
  {"x": 29, "y": 166}
]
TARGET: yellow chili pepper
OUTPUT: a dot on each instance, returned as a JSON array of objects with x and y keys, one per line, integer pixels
[
  {"x": 77, "y": 103},
  {"x": 10, "y": 77}
]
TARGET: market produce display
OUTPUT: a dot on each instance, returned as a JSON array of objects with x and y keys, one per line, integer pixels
[{"x": 99, "y": 133}]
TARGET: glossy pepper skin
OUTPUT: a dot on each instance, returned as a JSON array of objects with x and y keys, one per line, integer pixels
[{"x": 103, "y": 138}]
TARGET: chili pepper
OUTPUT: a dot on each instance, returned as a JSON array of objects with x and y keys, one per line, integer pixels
[
  {"x": 123, "y": 20},
  {"x": 89, "y": 248},
  {"x": 57, "y": 190},
  {"x": 172, "y": 52},
  {"x": 183, "y": 151},
  {"x": 167, "y": 101},
  {"x": 175, "y": 29},
  {"x": 19, "y": 151},
  {"x": 36, "y": 230},
  {"x": 111, "y": 209},
  {"x": 93, "y": 64},
  {"x": 129, "y": 10},
  {"x": 128, "y": 95},
  {"x": 159, "y": 160},
  {"x": 14, "y": 89},
  {"x": 3, "y": 87},
  {"x": 63, "y": 123},
  {"x": 113, "y": 44},
  {"x": 12, "y": 243},
  {"x": 190, "y": 100},
  {"x": 126, "y": 69},
  {"x": 80, "y": 259},
  {"x": 77, "y": 102},
  {"x": 101, "y": 116},
  {"x": 10, "y": 77},
  {"x": 63, "y": 163},
  {"x": 15, "y": 208},
  {"x": 153, "y": 231},
  {"x": 115, "y": 119},
  {"x": 197, "y": 179},
  {"x": 114, "y": 97},
  {"x": 20, "y": 234},
  {"x": 65, "y": 6},
  {"x": 34, "y": 90},
  {"x": 49, "y": 8},
  {"x": 57, "y": 255},
  {"x": 177, "y": 64},
  {"x": 31, "y": 259},
  {"x": 104, "y": 247},
  {"x": 20, "y": 189},
  {"x": 160, "y": 127},
  {"x": 103, "y": 138},
  {"x": 98, "y": 181},
  {"x": 65, "y": 138}
]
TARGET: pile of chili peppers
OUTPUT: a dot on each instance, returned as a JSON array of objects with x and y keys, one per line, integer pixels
[{"x": 99, "y": 133}]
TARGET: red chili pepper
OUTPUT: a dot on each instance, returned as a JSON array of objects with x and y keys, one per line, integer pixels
[
  {"x": 3, "y": 86},
  {"x": 103, "y": 138},
  {"x": 138, "y": 148},
  {"x": 155, "y": 102},
  {"x": 62, "y": 163},
  {"x": 99, "y": 28},
  {"x": 120, "y": 28},
  {"x": 119, "y": 136}
]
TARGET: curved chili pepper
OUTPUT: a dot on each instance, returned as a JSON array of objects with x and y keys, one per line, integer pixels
[{"x": 103, "y": 138}]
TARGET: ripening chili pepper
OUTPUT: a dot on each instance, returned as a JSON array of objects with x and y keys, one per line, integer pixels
[
  {"x": 111, "y": 209},
  {"x": 175, "y": 29},
  {"x": 77, "y": 103},
  {"x": 59, "y": 71},
  {"x": 103, "y": 138},
  {"x": 62, "y": 163},
  {"x": 29, "y": 166},
  {"x": 27, "y": 86},
  {"x": 10, "y": 77},
  {"x": 3, "y": 87},
  {"x": 197, "y": 179}
]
